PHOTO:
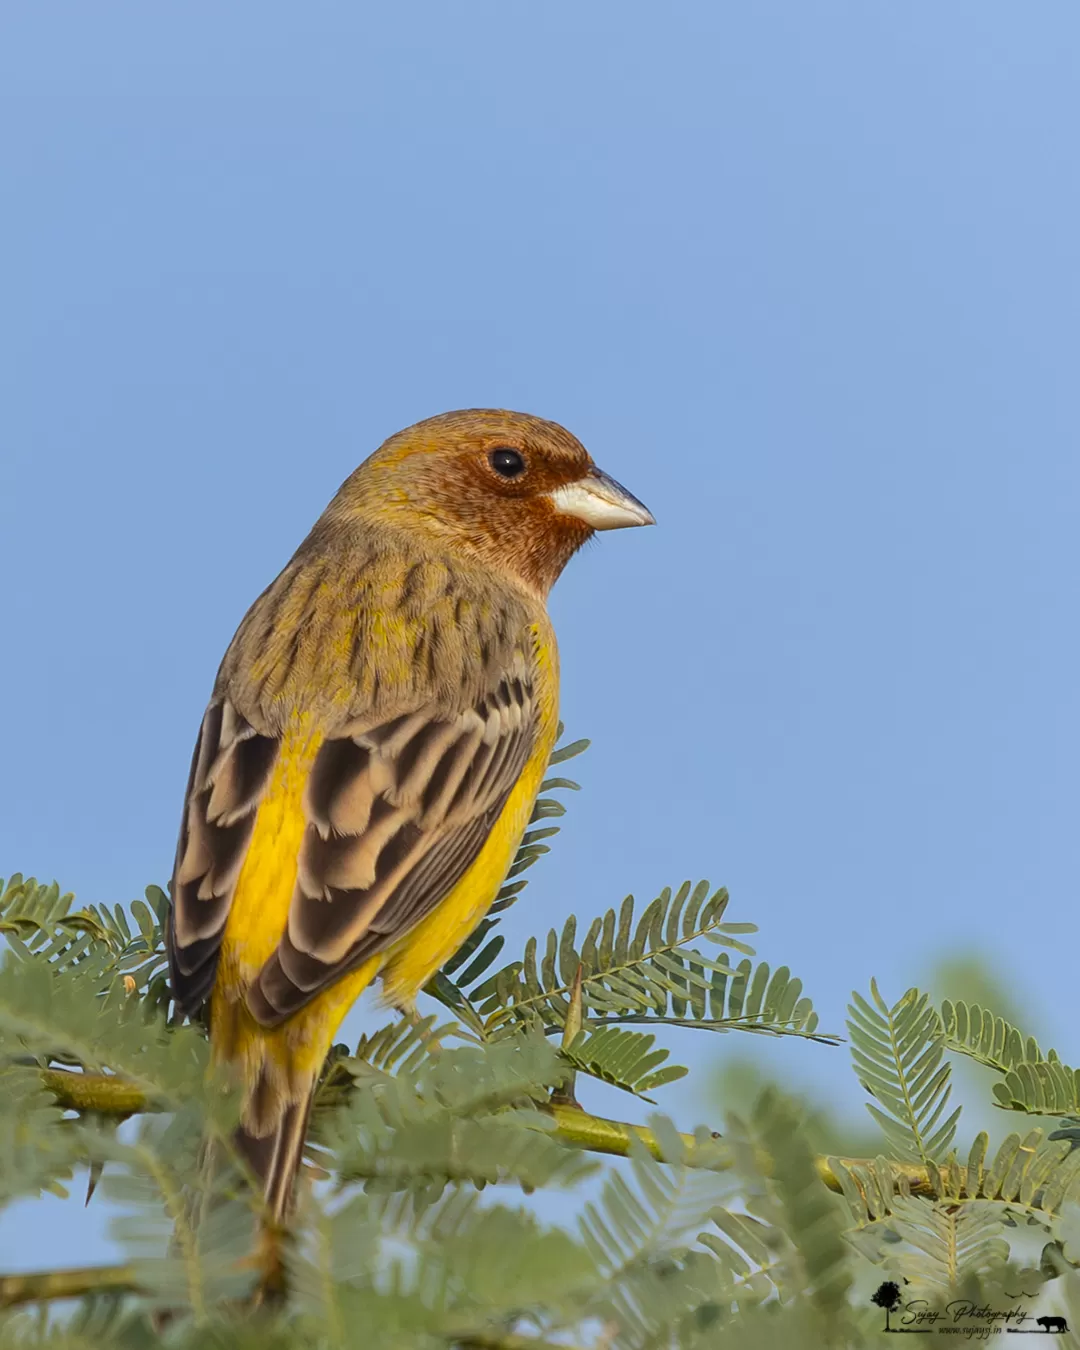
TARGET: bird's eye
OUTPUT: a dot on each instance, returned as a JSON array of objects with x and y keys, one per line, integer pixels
[{"x": 507, "y": 463}]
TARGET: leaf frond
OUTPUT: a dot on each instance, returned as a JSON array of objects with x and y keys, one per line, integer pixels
[
  {"x": 644, "y": 969},
  {"x": 1031, "y": 1081},
  {"x": 466, "y": 1114},
  {"x": 897, "y": 1053},
  {"x": 625, "y": 1059}
]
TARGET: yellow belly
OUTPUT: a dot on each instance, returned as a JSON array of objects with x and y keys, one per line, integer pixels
[{"x": 411, "y": 962}]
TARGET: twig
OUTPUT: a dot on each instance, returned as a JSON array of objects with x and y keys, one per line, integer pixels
[
  {"x": 55, "y": 1284},
  {"x": 104, "y": 1094},
  {"x": 108, "y": 1095},
  {"x": 600, "y": 1135}
]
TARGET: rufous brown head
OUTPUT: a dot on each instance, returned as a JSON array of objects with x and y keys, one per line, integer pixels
[{"x": 509, "y": 489}]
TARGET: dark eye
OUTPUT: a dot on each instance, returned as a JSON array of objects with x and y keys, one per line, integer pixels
[{"x": 508, "y": 463}]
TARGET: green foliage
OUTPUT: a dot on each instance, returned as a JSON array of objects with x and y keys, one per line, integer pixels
[
  {"x": 35, "y": 1154},
  {"x": 172, "y": 1202},
  {"x": 1031, "y": 1082},
  {"x": 80, "y": 1014},
  {"x": 625, "y": 1059},
  {"x": 466, "y": 1113},
  {"x": 658, "y": 1254},
  {"x": 898, "y": 1054},
  {"x": 428, "y": 1138},
  {"x": 643, "y": 971},
  {"x": 944, "y": 1247},
  {"x": 1028, "y": 1177},
  {"x": 39, "y": 920}
]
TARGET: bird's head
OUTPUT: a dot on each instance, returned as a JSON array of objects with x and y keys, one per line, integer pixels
[{"x": 512, "y": 491}]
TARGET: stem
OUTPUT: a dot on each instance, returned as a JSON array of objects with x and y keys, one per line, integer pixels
[
  {"x": 719, "y": 1025},
  {"x": 54, "y": 1284},
  {"x": 102, "y": 1093},
  {"x": 915, "y": 1173},
  {"x": 912, "y": 1114},
  {"x": 598, "y": 1135},
  {"x": 107, "y": 1095},
  {"x": 48, "y": 1285}
]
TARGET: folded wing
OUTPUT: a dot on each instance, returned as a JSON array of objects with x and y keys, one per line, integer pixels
[
  {"x": 397, "y": 812},
  {"x": 230, "y": 770}
]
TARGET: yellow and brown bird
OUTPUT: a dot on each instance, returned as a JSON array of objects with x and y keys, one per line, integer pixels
[{"x": 373, "y": 748}]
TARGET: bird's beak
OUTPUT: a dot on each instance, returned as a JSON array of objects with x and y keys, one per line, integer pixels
[{"x": 601, "y": 502}]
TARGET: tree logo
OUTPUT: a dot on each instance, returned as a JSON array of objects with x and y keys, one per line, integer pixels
[{"x": 887, "y": 1296}]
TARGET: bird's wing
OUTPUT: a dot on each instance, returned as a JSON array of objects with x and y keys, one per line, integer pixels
[
  {"x": 396, "y": 812},
  {"x": 230, "y": 771}
]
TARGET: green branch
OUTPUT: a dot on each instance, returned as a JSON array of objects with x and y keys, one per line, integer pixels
[
  {"x": 103, "y": 1094},
  {"x": 108, "y": 1095},
  {"x": 65, "y": 1284},
  {"x": 61, "y": 1284},
  {"x": 596, "y": 1134},
  {"x": 599, "y": 1135},
  {"x": 48, "y": 1285}
]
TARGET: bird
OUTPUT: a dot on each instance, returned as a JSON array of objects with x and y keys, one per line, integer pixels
[{"x": 372, "y": 751}]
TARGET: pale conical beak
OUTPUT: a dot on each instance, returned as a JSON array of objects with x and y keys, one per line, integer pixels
[{"x": 601, "y": 502}]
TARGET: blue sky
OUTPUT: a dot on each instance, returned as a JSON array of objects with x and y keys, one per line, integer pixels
[{"x": 803, "y": 276}]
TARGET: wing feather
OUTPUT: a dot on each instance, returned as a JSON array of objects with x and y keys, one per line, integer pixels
[
  {"x": 396, "y": 815},
  {"x": 230, "y": 770}
]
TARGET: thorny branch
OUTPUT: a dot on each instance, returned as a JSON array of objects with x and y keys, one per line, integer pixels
[{"x": 109, "y": 1095}]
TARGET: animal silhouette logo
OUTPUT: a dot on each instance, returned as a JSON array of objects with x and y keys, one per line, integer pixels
[{"x": 1055, "y": 1324}]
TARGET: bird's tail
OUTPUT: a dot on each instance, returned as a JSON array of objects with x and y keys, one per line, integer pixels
[
  {"x": 279, "y": 1067},
  {"x": 275, "y": 1157},
  {"x": 279, "y": 1084}
]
